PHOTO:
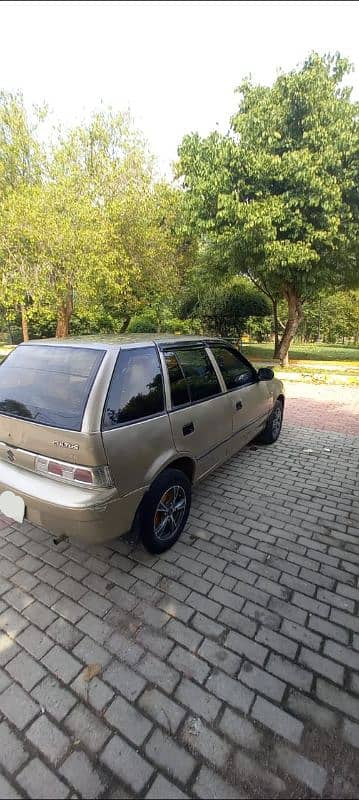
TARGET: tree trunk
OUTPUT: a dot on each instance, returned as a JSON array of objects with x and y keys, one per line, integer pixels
[
  {"x": 276, "y": 328},
  {"x": 24, "y": 323},
  {"x": 125, "y": 324},
  {"x": 64, "y": 316},
  {"x": 295, "y": 316}
]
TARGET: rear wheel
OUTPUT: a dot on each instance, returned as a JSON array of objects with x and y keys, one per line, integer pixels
[
  {"x": 273, "y": 426},
  {"x": 165, "y": 510}
]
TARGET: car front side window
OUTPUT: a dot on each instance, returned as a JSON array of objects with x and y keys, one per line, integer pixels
[{"x": 235, "y": 371}]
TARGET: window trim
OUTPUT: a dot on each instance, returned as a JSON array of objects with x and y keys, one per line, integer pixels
[
  {"x": 241, "y": 358},
  {"x": 196, "y": 346},
  {"x": 126, "y": 423}
]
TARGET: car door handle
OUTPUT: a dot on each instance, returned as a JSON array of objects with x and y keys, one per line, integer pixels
[
  {"x": 239, "y": 405},
  {"x": 187, "y": 429}
]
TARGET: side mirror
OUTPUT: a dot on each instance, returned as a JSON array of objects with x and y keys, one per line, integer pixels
[{"x": 265, "y": 374}]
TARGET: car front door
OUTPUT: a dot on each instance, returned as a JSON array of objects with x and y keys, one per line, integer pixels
[
  {"x": 200, "y": 411},
  {"x": 250, "y": 398}
]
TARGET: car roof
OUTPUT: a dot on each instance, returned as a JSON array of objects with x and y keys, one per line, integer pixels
[{"x": 114, "y": 341}]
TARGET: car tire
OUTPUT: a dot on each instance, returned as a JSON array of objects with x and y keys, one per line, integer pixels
[
  {"x": 273, "y": 426},
  {"x": 165, "y": 510}
]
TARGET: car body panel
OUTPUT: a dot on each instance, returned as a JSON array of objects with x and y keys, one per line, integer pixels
[{"x": 136, "y": 452}]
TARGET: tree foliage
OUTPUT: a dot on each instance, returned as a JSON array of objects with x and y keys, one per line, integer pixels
[{"x": 277, "y": 198}]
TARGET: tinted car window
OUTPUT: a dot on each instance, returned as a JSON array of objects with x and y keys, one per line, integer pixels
[
  {"x": 48, "y": 384},
  {"x": 201, "y": 378},
  {"x": 179, "y": 386},
  {"x": 235, "y": 371},
  {"x": 136, "y": 389}
]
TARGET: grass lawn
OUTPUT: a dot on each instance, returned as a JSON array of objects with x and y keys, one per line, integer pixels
[
  {"x": 311, "y": 363},
  {"x": 305, "y": 352}
]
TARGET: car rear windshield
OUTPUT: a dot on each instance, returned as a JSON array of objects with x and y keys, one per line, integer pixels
[{"x": 48, "y": 385}]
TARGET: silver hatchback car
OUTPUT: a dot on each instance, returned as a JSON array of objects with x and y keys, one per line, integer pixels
[{"x": 100, "y": 434}]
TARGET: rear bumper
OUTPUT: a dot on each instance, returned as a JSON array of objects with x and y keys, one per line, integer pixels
[{"x": 91, "y": 516}]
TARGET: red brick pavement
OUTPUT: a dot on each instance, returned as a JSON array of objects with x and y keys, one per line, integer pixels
[{"x": 330, "y": 408}]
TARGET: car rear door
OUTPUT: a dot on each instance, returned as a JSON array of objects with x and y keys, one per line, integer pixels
[
  {"x": 200, "y": 411},
  {"x": 136, "y": 430},
  {"x": 249, "y": 398}
]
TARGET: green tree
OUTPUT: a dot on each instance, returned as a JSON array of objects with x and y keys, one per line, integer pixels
[
  {"x": 226, "y": 308},
  {"x": 277, "y": 198},
  {"x": 22, "y": 165}
]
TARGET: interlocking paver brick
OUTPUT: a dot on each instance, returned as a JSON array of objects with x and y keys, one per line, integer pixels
[
  {"x": 168, "y": 755},
  {"x": 351, "y": 732},
  {"x": 206, "y": 626},
  {"x": 80, "y": 772},
  {"x": 205, "y": 742},
  {"x": 301, "y": 634},
  {"x": 289, "y": 672},
  {"x": 62, "y": 664},
  {"x": 39, "y": 782},
  {"x": 219, "y": 657},
  {"x": 240, "y": 730},
  {"x": 84, "y": 725},
  {"x": 7, "y": 792},
  {"x": 12, "y": 623},
  {"x": 229, "y": 690},
  {"x": 64, "y": 633},
  {"x": 18, "y": 706},
  {"x": 189, "y": 664},
  {"x": 12, "y": 750},
  {"x": 8, "y": 649},
  {"x": 25, "y": 670},
  {"x": 240, "y": 623},
  {"x": 163, "y": 788},
  {"x": 5, "y": 680},
  {"x": 261, "y": 779},
  {"x": 35, "y": 641},
  {"x": 337, "y": 698},
  {"x": 158, "y": 672},
  {"x": 127, "y": 764},
  {"x": 49, "y": 694},
  {"x": 348, "y": 621},
  {"x": 88, "y": 651},
  {"x": 246, "y": 647},
  {"x": 305, "y": 771},
  {"x": 277, "y": 720},
  {"x": 305, "y": 708},
  {"x": 97, "y": 628},
  {"x": 275, "y": 641},
  {"x": 162, "y": 709},
  {"x": 324, "y": 666},
  {"x": 128, "y": 720},
  {"x": 68, "y": 609},
  {"x": 261, "y": 681},
  {"x": 39, "y": 615},
  {"x": 209, "y": 784},
  {"x": 93, "y": 690},
  {"x": 121, "y": 677},
  {"x": 47, "y": 738},
  {"x": 198, "y": 700},
  {"x": 183, "y": 634}
]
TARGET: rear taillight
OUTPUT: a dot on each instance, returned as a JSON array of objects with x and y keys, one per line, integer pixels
[{"x": 96, "y": 477}]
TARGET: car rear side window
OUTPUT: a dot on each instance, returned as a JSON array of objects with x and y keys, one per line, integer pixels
[
  {"x": 235, "y": 371},
  {"x": 197, "y": 369},
  {"x": 136, "y": 389},
  {"x": 179, "y": 387},
  {"x": 49, "y": 385}
]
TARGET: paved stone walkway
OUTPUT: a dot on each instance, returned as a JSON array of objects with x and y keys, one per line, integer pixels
[
  {"x": 226, "y": 668},
  {"x": 323, "y": 407}
]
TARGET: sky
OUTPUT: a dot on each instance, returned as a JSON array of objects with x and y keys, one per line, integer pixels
[{"x": 173, "y": 64}]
